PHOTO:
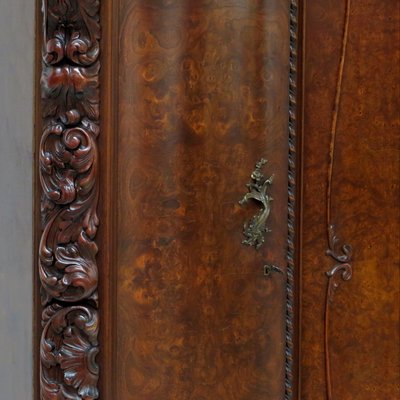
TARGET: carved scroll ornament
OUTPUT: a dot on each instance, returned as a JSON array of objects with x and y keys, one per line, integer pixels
[
  {"x": 69, "y": 343},
  {"x": 68, "y": 168}
]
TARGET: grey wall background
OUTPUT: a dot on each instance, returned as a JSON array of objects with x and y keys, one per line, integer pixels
[{"x": 17, "y": 20}]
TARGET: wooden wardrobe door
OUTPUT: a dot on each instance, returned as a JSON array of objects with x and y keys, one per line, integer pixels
[
  {"x": 200, "y": 101},
  {"x": 177, "y": 139}
]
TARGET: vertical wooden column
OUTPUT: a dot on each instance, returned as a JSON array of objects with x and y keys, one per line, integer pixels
[{"x": 69, "y": 165}]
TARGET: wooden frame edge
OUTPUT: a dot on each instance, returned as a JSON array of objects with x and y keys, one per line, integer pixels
[{"x": 66, "y": 164}]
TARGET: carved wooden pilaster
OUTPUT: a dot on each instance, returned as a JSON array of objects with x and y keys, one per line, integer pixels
[{"x": 68, "y": 163}]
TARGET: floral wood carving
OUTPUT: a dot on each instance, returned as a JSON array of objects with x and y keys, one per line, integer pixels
[
  {"x": 68, "y": 350},
  {"x": 68, "y": 168}
]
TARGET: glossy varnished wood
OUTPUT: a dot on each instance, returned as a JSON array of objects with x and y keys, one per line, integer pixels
[
  {"x": 68, "y": 165},
  {"x": 193, "y": 94},
  {"x": 203, "y": 95},
  {"x": 364, "y": 314}
]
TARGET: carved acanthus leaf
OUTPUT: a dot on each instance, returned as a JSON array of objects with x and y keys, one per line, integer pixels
[
  {"x": 68, "y": 167},
  {"x": 69, "y": 92},
  {"x": 72, "y": 30}
]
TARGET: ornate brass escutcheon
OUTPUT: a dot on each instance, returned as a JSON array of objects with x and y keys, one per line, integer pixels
[{"x": 255, "y": 229}]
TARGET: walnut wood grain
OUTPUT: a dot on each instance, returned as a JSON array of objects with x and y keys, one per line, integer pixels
[
  {"x": 364, "y": 200},
  {"x": 196, "y": 93},
  {"x": 203, "y": 94},
  {"x": 341, "y": 255}
]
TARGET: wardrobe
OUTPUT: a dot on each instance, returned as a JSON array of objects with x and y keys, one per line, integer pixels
[{"x": 217, "y": 200}]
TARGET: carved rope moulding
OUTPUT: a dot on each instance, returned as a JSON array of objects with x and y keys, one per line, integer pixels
[
  {"x": 68, "y": 169},
  {"x": 292, "y": 215}
]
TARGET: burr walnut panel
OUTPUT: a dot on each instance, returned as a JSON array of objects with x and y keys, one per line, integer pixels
[
  {"x": 202, "y": 96},
  {"x": 364, "y": 313}
]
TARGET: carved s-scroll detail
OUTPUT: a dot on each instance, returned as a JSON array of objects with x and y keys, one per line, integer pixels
[
  {"x": 68, "y": 174},
  {"x": 68, "y": 170},
  {"x": 68, "y": 158},
  {"x": 342, "y": 268},
  {"x": 71, "y": 31}
]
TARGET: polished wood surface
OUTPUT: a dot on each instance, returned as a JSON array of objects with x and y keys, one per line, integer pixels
[
  {"x": 364, "y": 313},
  {"x": 68, "y": 169},
  {"x": 203, "y": 95},
  {"x": 192, "y": 95}
]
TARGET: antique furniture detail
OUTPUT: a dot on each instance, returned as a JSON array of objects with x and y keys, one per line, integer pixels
[
  {"x": 169, "y": 147},
  {"x": 255, "y": 229},
  {"x": 292, "y": 215},
  {"x": 342, "y": 269},
  {"x": 68, "y": 169},
  {"x": 69, "y": 178},
  {"x": 270, "y": 268}
]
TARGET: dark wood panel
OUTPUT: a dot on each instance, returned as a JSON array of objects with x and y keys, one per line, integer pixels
[
  {"x": 363, "y": 318},
  {"x": 203, "y": 95}
]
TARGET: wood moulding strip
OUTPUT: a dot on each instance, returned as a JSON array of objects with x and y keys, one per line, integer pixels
[{"x": 342, "y": 270}]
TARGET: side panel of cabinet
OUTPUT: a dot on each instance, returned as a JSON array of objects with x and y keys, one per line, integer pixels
[{"x": 350, "y": 342}]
